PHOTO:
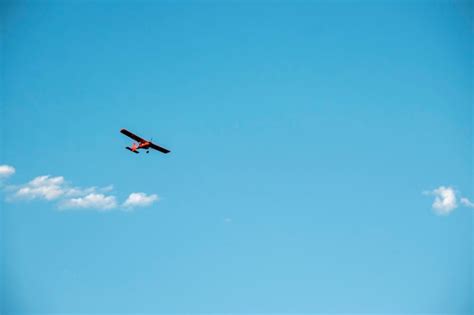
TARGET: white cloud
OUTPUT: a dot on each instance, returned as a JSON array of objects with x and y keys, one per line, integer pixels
[
  {"x": 42, "y": 187},
  {"x": 6, "y": 171},
  {"x": 66, "y": 196},
  {"x": 51, "y": 188},
  {"x": 445, "y": 200},
  {"x": 139, "y": 200},
  {"x": 466, "y": 202},
  {"x": 90, "y": 201}
]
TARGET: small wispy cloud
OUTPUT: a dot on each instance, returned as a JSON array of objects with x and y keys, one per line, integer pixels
[
  {"x": 446, "y": 200},
  {"x": 6, "y": 171},
  {"x": 139, "y": 199},
  {"x": 90, "y": 201},
  {"x": 67, "y": 196},
  {"x": 466, "y": 202}
]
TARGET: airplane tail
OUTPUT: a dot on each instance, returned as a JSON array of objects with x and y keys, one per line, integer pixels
[{"x": 134, "y": 151}]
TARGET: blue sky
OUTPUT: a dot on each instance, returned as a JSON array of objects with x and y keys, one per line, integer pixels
[{"x": 303, "y": 136}]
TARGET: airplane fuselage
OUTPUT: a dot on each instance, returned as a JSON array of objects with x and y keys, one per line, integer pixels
[{"x": 141, "y": 145}]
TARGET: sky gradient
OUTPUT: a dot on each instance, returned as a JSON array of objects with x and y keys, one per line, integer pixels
[{"x": 303, "y": 136}]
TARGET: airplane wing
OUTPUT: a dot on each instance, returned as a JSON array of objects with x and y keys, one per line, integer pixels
[
  {"x": 131, "y": 135},
  {"x": 157, "y": 147}
]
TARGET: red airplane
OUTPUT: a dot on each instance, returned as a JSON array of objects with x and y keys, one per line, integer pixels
[{"x": 142, "y": 143}]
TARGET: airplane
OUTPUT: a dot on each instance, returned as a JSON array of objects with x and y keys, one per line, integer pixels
[{"x": 142, "y": 143}]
